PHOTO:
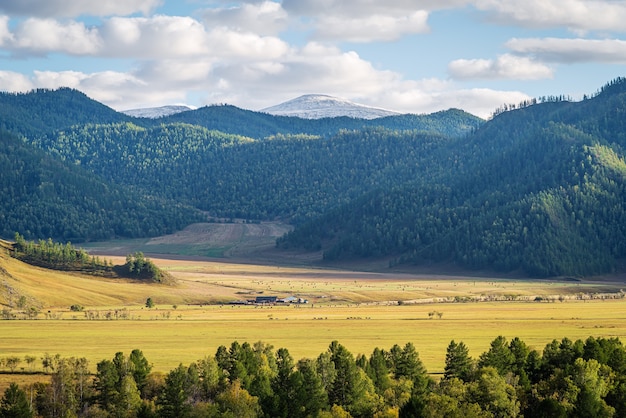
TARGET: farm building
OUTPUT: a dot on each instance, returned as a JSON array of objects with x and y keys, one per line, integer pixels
[
  {"x": 293, "y": 299},
  {"x": 265, "y": 300}
]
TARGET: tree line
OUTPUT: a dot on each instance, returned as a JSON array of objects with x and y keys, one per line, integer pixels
[
  {"x": 66, "y": 257},
  {"x": 57, "y": 256},
  {"x": 568, "y": 379}
]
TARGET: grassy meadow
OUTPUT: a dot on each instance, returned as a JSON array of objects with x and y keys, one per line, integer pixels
[
  {"x": 191, "y": 333},
  {"x": 362, "y": 310}
]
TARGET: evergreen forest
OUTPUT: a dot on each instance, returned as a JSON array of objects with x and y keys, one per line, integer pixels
[
  {"x": 569, "y": 379},
  {"x": 66, "y": 257},
  {"x": 537, "y": 189}
]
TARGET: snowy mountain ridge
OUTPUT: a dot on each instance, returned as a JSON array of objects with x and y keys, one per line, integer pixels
[
  {"x": 156, "y": 112},
  {"x": 317, "y": 106}
]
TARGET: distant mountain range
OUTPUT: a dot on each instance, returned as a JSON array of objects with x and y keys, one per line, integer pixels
[
  {"x": 318, "y": 106},
  {"x": 539, "y": 189},
  {"x": 156, "y": 112},
  {"x": 309, "y": 106}
]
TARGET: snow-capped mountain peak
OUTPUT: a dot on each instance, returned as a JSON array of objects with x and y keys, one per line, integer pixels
[
  {"x": 317, "y": 106},
  {"x": 156, "y": 112}
]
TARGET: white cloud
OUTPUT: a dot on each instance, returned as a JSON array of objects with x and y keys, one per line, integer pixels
[
  {"x": 255, "y": 85},
  {"x": 115, "y": 89},
  {"x": 264, "y": 18},
  {"x": 478, "y": 101},
  {"x": 571, "y": 50},
  {"x": 54, "y": 80},
  {"x": 313, "y": 68},
  {"x": 233, "y": 56},
  {"x": 14, "y": 82},
  {"x": 431, "y": 95},
  {"x": 44, "y": 35},
  {"x": 361, "y": 8},
  {"x": 506, "y": 66},
  {"x": 372, "y": 28},
  {"x": 318, "y": 68},
  {"x": 153, "y": 38},
  {"x": 364, "y": 20},
  {"x": 224, "y": 43},
  {"x": 578, "y": 15},
  {"x": 74, "y": 8},
  {"x": 176, "y": 73}
]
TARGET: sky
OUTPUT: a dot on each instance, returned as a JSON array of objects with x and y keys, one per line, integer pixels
[{"x": 412, "y": 56}]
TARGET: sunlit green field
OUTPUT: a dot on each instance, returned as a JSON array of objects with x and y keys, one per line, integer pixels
[
  {"x": 191, "y": 333},
  {"x": 360, "y": 310}
]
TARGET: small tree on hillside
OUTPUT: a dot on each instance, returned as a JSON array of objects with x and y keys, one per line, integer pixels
[{"x": 149, "y": 303}]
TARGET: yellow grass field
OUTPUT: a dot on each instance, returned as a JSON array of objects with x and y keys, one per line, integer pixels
[
  {"x": 307, "y": 331},
  {"x": 360, "y": 310}
]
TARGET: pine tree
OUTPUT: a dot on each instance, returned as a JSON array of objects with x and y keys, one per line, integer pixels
[
  {"x": 15, "y": 403},
  {"x": 458, "y": 362}
]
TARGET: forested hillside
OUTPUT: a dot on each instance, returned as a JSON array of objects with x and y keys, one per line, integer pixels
[
  {"x": 282, "y": 170},
  {"x": 540, "y": 189},
  {"x": 42, "y": 197},
  {"x": 230, "y": 119},
  {"x": 43, "y": 111},
  {"x": 293, "y": 177}
]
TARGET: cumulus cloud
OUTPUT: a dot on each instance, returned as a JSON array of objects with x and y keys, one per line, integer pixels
[
  {"x": 360, "y": 8},
  {"x": 14, "y": 82},
  {"x": 372, "y": 28},
  {"x": 506, "y": 66},
  {"x": 428, "y": 95},
  {"x": 478, "y": 101},
  {"x": 158, "y": 37},
  {"x": 116, "y": 89},
  {"x": 364, "y": 20},
  {"x": 73, "y": 8},
  {"x": 315, "y": 67},
  {"x": 245, "y": 46},
  {"x": 232, "y": 54},
  {"x": 571, "y": 51},
  {"x": 263, "y": 18},
  {"x": 578, "y": 15},
  {"x": 39, "y": 36}
]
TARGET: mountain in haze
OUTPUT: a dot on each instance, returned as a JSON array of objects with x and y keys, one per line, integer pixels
[
  {"x": 156, "y": 112},
  {"x": 318, "y": 106},
  {"x": 233, "y": 120}
]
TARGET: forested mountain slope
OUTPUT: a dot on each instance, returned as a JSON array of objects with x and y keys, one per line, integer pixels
[
  {"x": 267, "y": 175},
  {"x": 44, "y": 111},
  {"x": 42, "y": 197},
  {"x": 540, "y": 189},
  {"x": 230, "y": 119},
  {"x": 293, "y": 177}
]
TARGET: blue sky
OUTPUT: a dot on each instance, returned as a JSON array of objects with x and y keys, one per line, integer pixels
[{"x": 416, "y": 56}]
